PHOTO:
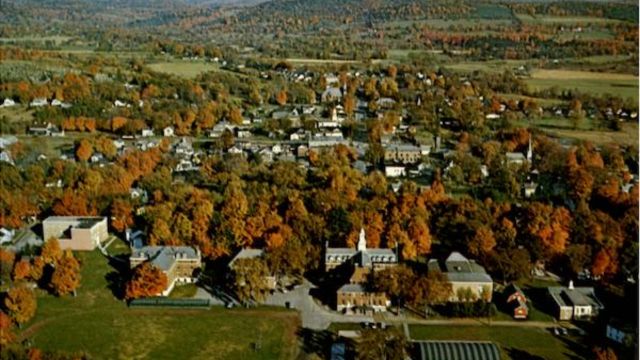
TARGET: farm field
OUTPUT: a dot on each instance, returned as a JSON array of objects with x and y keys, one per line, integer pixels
[
  {"x": 98, "y": 323},
  {"x": 624, "y": 85},
  {"x": 186, "y": 69},
  {"x": 56, "y": 39},
  {"x": 447, "y": 23},
  {"x": 515, "y": 342},
  {"x": 627, "y": 136},
  {"x": 489, "y": 66},
  {"x": 568, "y": 20}
]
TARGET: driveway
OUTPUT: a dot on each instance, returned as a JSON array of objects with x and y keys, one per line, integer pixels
[{"x": 314, "y": 316}]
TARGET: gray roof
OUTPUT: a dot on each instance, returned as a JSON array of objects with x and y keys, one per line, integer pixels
[
  {"x": 515, "y": 156},
  {"x": 456, "y": 350},
  {"x": 352, "y": 288},
  {"x": 370, "y": 256},
  {"x": 580, "y": 296},
  {"x": 246, "y": 254},
  {"x": 164, "y": 256},
  {"x": 469, "y": 277},
  {"x": 341, "y": 251},
  {"x": 458, "y": 268},
  {"x": 402, "y": 147}
]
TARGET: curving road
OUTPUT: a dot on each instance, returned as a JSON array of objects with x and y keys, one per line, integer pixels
[{"x": 314, "y": 316}]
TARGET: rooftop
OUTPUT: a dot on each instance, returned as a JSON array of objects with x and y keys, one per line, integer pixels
[
  {"x": 164, "y": 256},
  {"x": 460, "y": 269},
  {"x": 579, "y": 296},
  {"x": 83, "y": 222},
  {"x": 459, "y": 350},
  {"x": 351, "y": 288},
  {"x": 246, "y": 254}
]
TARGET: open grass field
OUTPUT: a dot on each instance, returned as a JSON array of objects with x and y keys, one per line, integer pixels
[
  {"x": 56, "y": 39},
  {"x": 185, "y": 69},
  {"x": 320, "y": 61},
  {"x": 624, "y": 85},
  {"x": 447, "y": 23},
  {"x": 627, "y": 136},
  {"x": 567, "y": 20},
  {"x": 515, "y": 342},
  {"x": 104, "y": 327},
  {"x": 488, "y": 66}
]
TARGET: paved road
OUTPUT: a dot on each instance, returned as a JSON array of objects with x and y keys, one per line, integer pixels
[{"x": 314, "y": 316}]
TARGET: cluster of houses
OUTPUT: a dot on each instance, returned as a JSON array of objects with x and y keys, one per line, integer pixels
[{"x": 356, "y": 266}]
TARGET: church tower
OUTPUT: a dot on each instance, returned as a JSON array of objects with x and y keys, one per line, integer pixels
[
  {"x": 530, "y": 150},
  {"x": 362, "y": 241}
]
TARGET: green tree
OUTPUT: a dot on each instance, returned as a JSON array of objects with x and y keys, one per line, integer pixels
[{"x": 249, "y": 279}]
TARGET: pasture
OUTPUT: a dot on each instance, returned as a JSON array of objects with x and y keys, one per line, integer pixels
[
  {"x": 627, "y": 136},
  {"x": 566, "y": 20},
  {"x": 184, "y": 68},
  {"x": 623, "y": 85}
]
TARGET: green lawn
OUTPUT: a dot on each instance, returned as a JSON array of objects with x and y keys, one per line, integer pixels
[
  {"x": 515, "y": 342},
  {"x": 103, "y": 326},
  {"x": 183, "y": 291}
]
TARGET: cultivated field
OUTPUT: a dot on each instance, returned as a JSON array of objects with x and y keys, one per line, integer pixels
[
  {"x": 624, "y": 85},
  {"x": 568, "y": 20},
  {"x": 97, "y": 323},
  {"x": 627, "y": 136}
]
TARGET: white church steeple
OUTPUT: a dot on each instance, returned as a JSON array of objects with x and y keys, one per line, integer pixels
[
  {"x": 362, "y": 241},
  {"x": 530, "y": 150}
]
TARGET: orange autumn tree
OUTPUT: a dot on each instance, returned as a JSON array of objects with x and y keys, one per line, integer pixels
[
  {"x": 483, "y": 241},
  {"x": 21, "y": 304},
  {"x": 66, "y": 275},
  {"x": 548, "y": 226},
  {"x": 73, "y": 203},
  {"x": 6, "y": 329},
  {"x": 146, "y": 280},
  {"x": 7, "y": 259},
  {"x": 51, "y": 252},
  {"x": 118, "y": 122},
  {"x": 121, "y": 215},
  {"x": 419, "y": 232},
  {"x": 84, "y": 150},
  {"x": 22, "y": 270},
  {"x": 281, "y": 97}
]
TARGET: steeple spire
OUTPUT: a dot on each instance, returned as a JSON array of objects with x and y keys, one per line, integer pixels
[
  {"x": 362, "y": 241},
  {"x": 530, "y": 150}
]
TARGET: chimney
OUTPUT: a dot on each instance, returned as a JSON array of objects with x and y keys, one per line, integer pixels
[{"x": 571, "y": 285}]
